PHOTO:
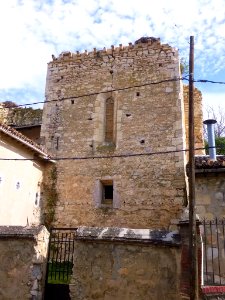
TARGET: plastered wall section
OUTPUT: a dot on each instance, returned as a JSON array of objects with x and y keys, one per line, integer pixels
[
  {"x": 210, "y": 195},
  {"x": 198, "y": 119},
  {"x": 20, "y": 195},
  {"x": 148, "y": 189}
]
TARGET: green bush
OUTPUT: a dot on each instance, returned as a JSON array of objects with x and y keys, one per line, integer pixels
[
  {"x": 60, "y": 272},
  {"x": 220, "y": 146}
]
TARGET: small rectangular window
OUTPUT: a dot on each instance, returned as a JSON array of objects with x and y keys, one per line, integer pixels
[
  {"x": 107, "y": 192},
  {"x": 109, "y": 120}
]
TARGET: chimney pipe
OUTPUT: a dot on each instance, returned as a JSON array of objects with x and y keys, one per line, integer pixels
[{"x": 211, "y": 138}]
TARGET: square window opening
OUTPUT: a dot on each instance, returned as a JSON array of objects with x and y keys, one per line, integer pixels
[{"x": 107, "y": 192}]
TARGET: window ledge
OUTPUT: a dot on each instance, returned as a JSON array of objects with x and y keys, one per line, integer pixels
[
  {"x": 106, "y": 147},
  {"x": 106, "y": 205}
]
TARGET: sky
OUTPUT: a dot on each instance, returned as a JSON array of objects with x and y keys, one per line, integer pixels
[{"x": 32, "y": 30}]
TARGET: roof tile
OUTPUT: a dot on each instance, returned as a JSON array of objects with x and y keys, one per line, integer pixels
[{"x": 23, "y": 139}]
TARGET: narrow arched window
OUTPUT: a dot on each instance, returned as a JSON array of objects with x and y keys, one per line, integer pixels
[{"x": 109, "y": 120}]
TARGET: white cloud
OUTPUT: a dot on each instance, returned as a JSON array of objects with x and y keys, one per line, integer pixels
[
  {"x": 32, "y": 30},
  {"x": 218, "y": 100}
]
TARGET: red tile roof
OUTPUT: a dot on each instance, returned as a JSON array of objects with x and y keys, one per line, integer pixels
[
  {"x": 13, "y": 133},
  {"x": 213, "y": 290},
  {"x": 204, "y": 162}
]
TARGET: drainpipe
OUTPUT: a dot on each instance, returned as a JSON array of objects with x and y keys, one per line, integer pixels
[{"x": 211, "y": 138}]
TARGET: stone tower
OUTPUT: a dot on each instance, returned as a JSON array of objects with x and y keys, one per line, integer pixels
[
  {"x": 198, "y": 119},
  {"x": 105, "y": 112}
]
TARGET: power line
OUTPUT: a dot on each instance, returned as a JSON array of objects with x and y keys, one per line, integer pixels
[
  {"x": 97, "y": 93},
  {"x": 107, "y": 156},
  {"x": 209, "y": 81},
  {"x": 116, "y": 90}
]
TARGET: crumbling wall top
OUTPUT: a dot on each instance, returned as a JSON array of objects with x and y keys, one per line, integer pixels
[{"x": 144, "y": 43}]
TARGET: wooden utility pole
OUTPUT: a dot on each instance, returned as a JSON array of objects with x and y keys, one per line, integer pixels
[{"x": 192, "y": 213}]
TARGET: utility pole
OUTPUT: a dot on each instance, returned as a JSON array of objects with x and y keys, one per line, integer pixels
[{"x": 192, "y": 214}]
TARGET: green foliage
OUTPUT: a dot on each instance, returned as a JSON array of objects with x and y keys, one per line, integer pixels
[
  {"x": 220, "y": 146},
  {"x": 51, "y": 197},
  {"x": 183, "y": 66},
  {"x": 60, "y": 272},
  {"x": 22, "y": 115},
  {"x": 9, "y": 104}
]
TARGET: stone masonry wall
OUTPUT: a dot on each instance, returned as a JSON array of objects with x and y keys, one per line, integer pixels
[
  {"x": 23, "y": 252},
  {"x": 198, "y": 119},
  {"x": 148, "y": 189},
  {"x": 3, "y": 113},
  {"x": 20, "y": 116},
  {"x": 23, "y": 116},
  {"x": 210, "y": 195},
  {"x": 125, "y": 270},
  {"x": 210, "y": 205}
]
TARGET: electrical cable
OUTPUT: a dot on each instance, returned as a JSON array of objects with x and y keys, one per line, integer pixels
[
  {"x": 97, "y": 93},
  {"x": 108, "y": 156},
  {"x": 115, "y": 90},
  {"x": 102, "y": 92}
]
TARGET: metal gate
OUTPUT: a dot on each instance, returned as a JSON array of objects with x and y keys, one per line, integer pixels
[
  {"x": 213, "y": 240},
  {"x": 60, "y": 263}
]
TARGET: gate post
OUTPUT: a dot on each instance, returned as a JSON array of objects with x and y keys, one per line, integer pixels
[
  {"x": 185, "y": 259},
  {"x": 47, "y": 261}
]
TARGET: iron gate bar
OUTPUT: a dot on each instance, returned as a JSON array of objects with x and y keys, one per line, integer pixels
[
  {"x": 68, "y": 254},
  {"x": 64, "y": 258},
  {"x": 60, "y": 254},
  {"x": 214, "y": 251},
  {"x": 217, "y": 239},
  {"x": 205, "y": 247},
  {"x": 57, "y": 254},
  {"x": 53, "y": 254}
]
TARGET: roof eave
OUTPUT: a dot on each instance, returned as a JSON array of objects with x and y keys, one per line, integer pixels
[{"x": 42, "y": 154}]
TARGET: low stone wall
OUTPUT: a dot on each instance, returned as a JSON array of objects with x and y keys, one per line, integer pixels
[
  {"x": 198, "y": 119},
  {"x": 210, "y": 193},
  {"x": 126, "y": 264},
  {"x": 23, "y": 252}
]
